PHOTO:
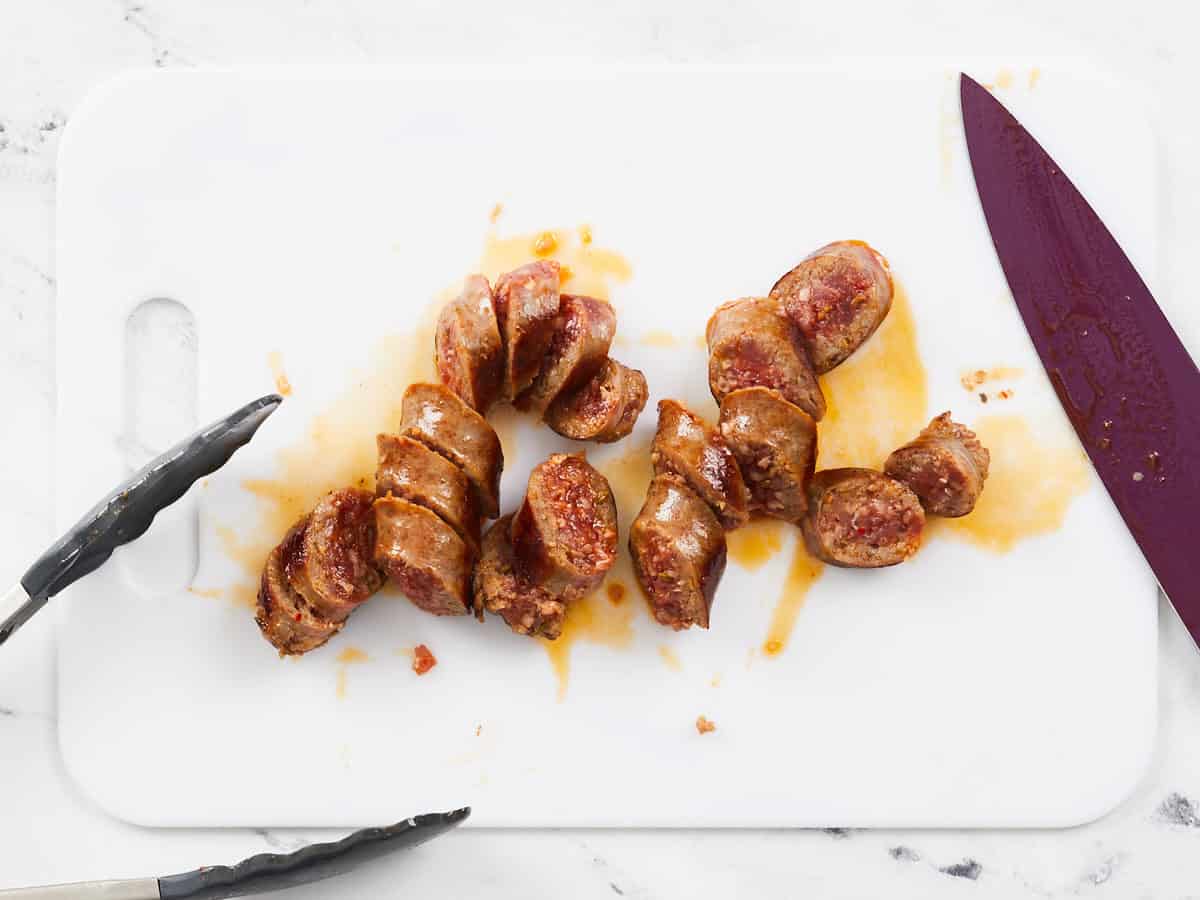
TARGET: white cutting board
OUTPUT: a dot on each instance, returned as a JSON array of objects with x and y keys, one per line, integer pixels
[{"x": 312, "y": 211}]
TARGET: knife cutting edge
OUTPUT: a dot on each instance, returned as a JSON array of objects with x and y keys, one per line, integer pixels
[
  {"x": 1127, "y": 383},
  {"x": 127, "y": 512},
  {"x": 262, "y": 873}
]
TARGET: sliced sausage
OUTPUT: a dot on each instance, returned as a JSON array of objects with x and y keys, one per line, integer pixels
[
  {"x": 678, "y": 550},
  {"x": 565, "y": 530},
  {"x": 686, "y": 445},
  {"x": 502, "y": 588},
  {"x": 283, "y": 614},
  {"x": 467, "y": 346},
  {"x": 837, "y": 297},
  {"x": 945, "y": 466},
  {"x": 605, "y": 409},
  {"x": 424, "y": 556},
  {"x": 410, "y": 470},
  {"x": 435, "y": 416},
  {"x": 752, "y": 342},
  {"x": 775, "y": 444},
  {"x": 334, "y": 570},
  {"x": 583, "y": 332},
  {"x": 526, "y": 307},
  {"x": 861, "y": 519}
]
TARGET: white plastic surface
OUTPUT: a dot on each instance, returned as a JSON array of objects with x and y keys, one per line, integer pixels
[{"x": 963, "y": 688}]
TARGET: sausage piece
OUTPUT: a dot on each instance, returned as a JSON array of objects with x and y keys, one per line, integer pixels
[
  {"x": 752, "y": 342},
  {"x": 861, "y": 519},
  {"x": 435, "y": 416},
  {"x": 283, "y": 614},
  {"x": 945, "y": 466},
  {"x": 503, "y": 588},
  {"x": 526, "y": 307},
  {"x": 410, "y": 470},
  {"x": 837, "y": 297},
  {"x": 424, "y": 556},
  {"x": 467, "y": 347},
  {"x": 775, "y": 444},
  {"x": 334, "y": 570},
  {"x": 605, "y": 409},
  {"x": 687, "y": 446},
  {"x": 583, "y": 332},
  {"x": 678, "y": 550},
  {"x": 565, "y": 530}
]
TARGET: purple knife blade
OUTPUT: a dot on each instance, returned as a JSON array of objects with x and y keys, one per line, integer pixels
[{"x": 1126, "y": 381}]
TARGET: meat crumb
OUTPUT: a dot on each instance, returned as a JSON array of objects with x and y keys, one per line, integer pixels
[
  {"x": 616, "y": 593},
  {"x": 1005, "y": 394},
  {"x": 478, "y": 729},
  {"x": 704, "y": 726},
  {"x": 545, "y": 243},
  {"x": 423, "y": 660},
  {"x": 494, "y": 215},
  {"x": 983, "y": 398}
]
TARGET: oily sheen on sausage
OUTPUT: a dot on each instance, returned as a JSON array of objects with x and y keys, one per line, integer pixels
[
  {"x": 775, "y": 444},
  {"x": 526, "y": 309},
  {"x": 583, "y": 332},
  {"x": 689, "y": 447},
  {"x": 410, "y": 470},
  {"x": 283, "y": 614},
  {"x": 468, "y": 350},
  {"x": 334, "y": 569},
  {"x": 679, "y": 551},
  {"x": 424, "y": 556},
  {"x": 752, "y": 342},
  {"x": 504, "y": 589}
]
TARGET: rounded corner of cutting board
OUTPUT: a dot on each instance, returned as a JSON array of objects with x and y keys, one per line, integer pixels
[
  {"x": 97, "y": 103},
  {"x": 98, "y": 788}
]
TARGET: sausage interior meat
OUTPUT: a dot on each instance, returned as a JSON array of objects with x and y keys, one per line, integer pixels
[
  {"x": 945, "y": 466},
  {"x": 752, "y": 342},
  {"x": 435, "y": 416},
  {"x": 526, "y": 309},
  {"x": 503, "y": 588},
  {"x": 678, "y": 549},
  {"x": 410, "y": 470},
  {"x": 583, "y": 332},
  {"x": 689, "y": 447},
  {"x": 283, "y": 614},
  {"x": 565, "y": 530},
  {"x": 604, "y": 409},
  {"x": 424, "y": 556},
  {"x": 860, "y": 518},
  {"x": 775, "y": 444},
  {"x": 837, "y": 297},
  {"x": 468, "y": 349}
]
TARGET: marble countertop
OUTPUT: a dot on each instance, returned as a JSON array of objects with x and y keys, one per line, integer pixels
[{"x": 53, "y": 51}]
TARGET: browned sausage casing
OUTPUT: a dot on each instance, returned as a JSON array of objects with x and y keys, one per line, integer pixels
[
  {"x": 605, "y": 409},
  {"x": 283, "y": 614},
  {"x": 751, "y": 342},
  {"x": 775, "y": 443},
  {"x": 837, "y": 297},
  {"x": 945, "y": 466},
  {"x": 424, "y": 556},
  {"x": 583, "y": 332},
  {"x": 526, "y": 307},
  {"x": 334, "y": 570},
  {"x": 467, "y": 346},
  {"x": 687, "y": 446},
  {"x": 678, "y": 550},
  {"x": 565, "y": 530},
  {"x": 435, "y": 416},
  {"x": 410, "y": 470},
  {"x": 861, "y": 519},
  {"x": 502, "y": 588}
]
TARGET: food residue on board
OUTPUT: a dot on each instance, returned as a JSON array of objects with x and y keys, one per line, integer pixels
[
  {"x": 659, "y": 338},
  {"x": 349, "y": 656},
  {"x": 587, "y": 269},
  {"x": 704, "y": 726},
  {"x": 423, "y": 660},
  {"x": 715, "y": 682},
  {"x": 616, "y": 592},
  {"x": 478, "y": 730},
  {"x": 802, "y": 574},
  {"x": 210, "y": 593},
  {"x": 670, "y": 658},
  {"x": 494, "y": 215},
  {"x": 1030, "y": 486},
  {"x": 282, "y": 385},
  {"x": 756, "y": 543},
  {"x": 596, "y": 618},
  {"x": 976, "y": 378},
  {"x": 1034, "y": 75}
]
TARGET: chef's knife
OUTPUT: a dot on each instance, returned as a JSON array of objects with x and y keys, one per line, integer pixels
[
  {"x": 259, "y": 874},
  {"x": 127, "y": 512},
  {"x": 1126, "y": 381}
]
